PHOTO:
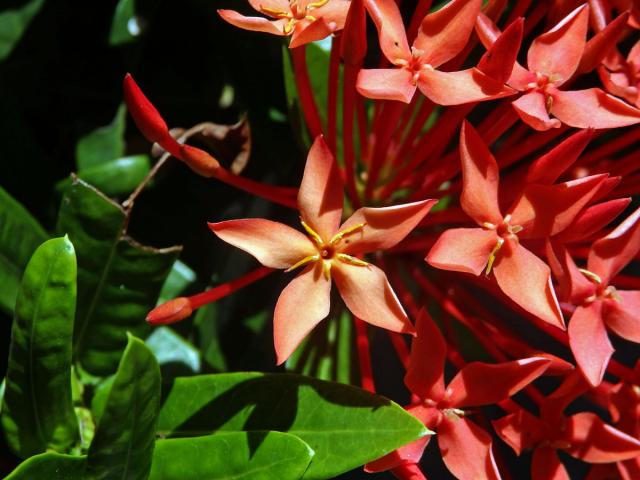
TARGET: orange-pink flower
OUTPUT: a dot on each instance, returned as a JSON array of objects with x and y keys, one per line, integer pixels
[
  {"x": 304, "y": 20},
  {"x": 327, "y": 251}
]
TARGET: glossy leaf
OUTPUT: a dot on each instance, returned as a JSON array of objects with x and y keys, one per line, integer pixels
[
  {"x": 37, "y": 412},
  {"x": 103, "y": 144},
  {"x": 124, "y": 440},
  {"x": 117, "y": 177},
  {"x": 332, "y": 418},
  {"x": 20, "y": 235},
  {"x": 180, "y": 277},
  {"x": 13, "y": 24},
  {"x": 170, "y": 348},
  {"x": 119, "y": 279},
  {"x": 231, "y": 455},
  {"x": 51, "y": 466},
  {"x": 124, "y": 26}
]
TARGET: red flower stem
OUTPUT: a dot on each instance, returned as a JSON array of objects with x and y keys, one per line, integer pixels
[
  {"x": 305, "y": 91},
  {"x": 518, "y": 10},
  {"x": 364, "y": 355},
  {"x": 517, "y": 147},
  {"x": 421, "y": 10},
  {"x": 363, "y": 126},
  {"x": 216, "y": 293},
  {"x": 348, "y": 109},
  {"x": 332, "y": 101},
  {"x": 425, "y": 110},
  {"x": 408, "y": 471},
  {"x": 383, "y": 131},
  {"x": 533, "y": 17},
  {"x": 279, "y": 195}
]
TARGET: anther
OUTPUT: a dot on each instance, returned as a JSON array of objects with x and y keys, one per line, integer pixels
[
  {"x": 312, "y": 233},
  {"x": 348, "y": 231},
  {"x": 591, "y": 276},
  {"x": 492, "y": 255},
  {"x": 304, "y": 261},
  {"x": 343, "y": 257}
]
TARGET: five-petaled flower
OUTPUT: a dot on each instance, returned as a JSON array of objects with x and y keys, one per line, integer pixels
[
  {"x": 304, "y": 20},
  {"x": 327, "y": 251}
]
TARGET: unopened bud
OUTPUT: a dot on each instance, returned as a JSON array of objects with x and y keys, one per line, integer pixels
[
  {"x": 170, "y": 312},
  {"x": 198, "y": 160}
]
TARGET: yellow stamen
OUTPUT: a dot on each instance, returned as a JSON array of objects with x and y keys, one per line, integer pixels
[
  {"x": 453, "y": 413},
  {"x": 312, "y": 233},
  {"x": 343, "y": 257},
  {"x": 326, "y": 269},
  {"x": 515, "y": 229},
  {"x": 489, "y": 226},
  {"x": 492, "y": 255},
  {"x": 549, "y": 103},
  {"x": 611, "y": 292},
  {"x": 591, "y": 276},
  {"x": 311, "y": 18},
  {"x": 274, "y": 11},
  {"x": 319, "y": 4},
  {"x": 304, "y": 261},
  {"x": 348, "y": 231},
  {"x": 289, "y": 26}
]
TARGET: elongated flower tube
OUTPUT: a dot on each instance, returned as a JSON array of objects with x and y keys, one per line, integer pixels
[
  {"x": 442, "y": 35},
  {"x": 539, "y": 211},
  {"x": 303, "y": 20},
  {"x": 326, "y": 251},
  {"x": 465, "y": 447}
]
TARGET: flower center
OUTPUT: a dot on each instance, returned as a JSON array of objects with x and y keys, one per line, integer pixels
[
  {"x": 505, "y": 231},
  {"x": 329, "y": 251},
  {"x": 603, "y": 292},
  {"x": 414, "y": 64},
  {"x": 295, "y": 13}
]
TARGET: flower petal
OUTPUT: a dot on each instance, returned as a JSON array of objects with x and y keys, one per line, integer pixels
[
  {"x": 526, "y": 280},
  {"x": 593, "y": 108},
  {"x": 301, "y": 306},
  {"x": 384, "y": 227},
  {"x": 273, "y": 244},
  {"x": 589, "y": 342},
  {"x": 558, "y": 52},
  {"x": 480, "y": 178},
  {"x": 255, "y": 24},
  {"x": 545, "y": 210},
  {"x": 593, "y": 219},
  {"x": 391, "y": 33},
  {"x": 306, "y": 32},
  {"x": 425, "y": 373},
  {"x": 574, "y": 285},
  {"x": 281, "y": 5},
  {"x": 463, "y": 250},
  {"x": 444, "y": 33},
  {"x": 594, "y": 441},
  {"x": 334, "y": 12},
  {"x": 623, "y": 317},
  {"x": 520, "y": 430},
  {"x": 545, "y": 465},
  {"x": 457, "y": 88},
  {"x": 599, "y": 46},
  {"x": 532, "y": 110},
  {"x": 466, "y": 450},
  {"x": 480, "y": 383},
  {"x": 386, "y": 84},
  {"x": 612, "y": 253},
  {"x": 321, "y": 191},
  {"x": 367, "y": 293},
  {"x": 499, "y": 60}
]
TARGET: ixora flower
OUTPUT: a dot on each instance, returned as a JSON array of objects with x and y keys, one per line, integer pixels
[
  {"x": 552, "y": 60},
  {"x": 465, "y": 447},
  {"x": 327, "y": 251},
  {"x": 442, "y": 35},
  {"x": 539, "y": 211},
  {"x": 621, "y": 76},
  {"x": 599, "y": 304},
  {"x": 305, "y": 21}
]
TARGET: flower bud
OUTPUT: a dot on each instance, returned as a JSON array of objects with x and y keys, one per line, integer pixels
[{"x": 170, "y": 312}]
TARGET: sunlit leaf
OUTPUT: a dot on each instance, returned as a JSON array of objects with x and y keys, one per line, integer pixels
[
  {"x": 171, "y": 349},
  {"x": 103, "y": 144}
]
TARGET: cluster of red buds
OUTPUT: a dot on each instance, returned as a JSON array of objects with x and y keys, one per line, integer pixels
[{"x": 509, "y": 210}]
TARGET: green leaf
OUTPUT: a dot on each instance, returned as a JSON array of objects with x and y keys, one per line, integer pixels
[
  {"x": 20, "y": 235},
  {"x": 123, "y": 443},
  {"x": 170, "y": 348},
  {"x": 104, "y": 144},
  {"x": 345, "y": 426},
  {"x": 124, "y": 26},
  {"x": 38, "y": 409},
  {"x": 118, "y": 279},
  {"x": 51, "y": 466},
  {"x": 208, "y": 338},
  {"x": 13, "y": 24},
  {"x": 231, "y": 455},
  {"x": 180, "y": 277}
]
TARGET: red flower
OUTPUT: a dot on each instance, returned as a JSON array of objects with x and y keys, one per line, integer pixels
[
  {"x": 442, "y": 35},
  {"x": 538, "y": 212},
  {"x": 621, "y": 77},
  {"x": 465, "y": 447},
  {"x": 328, "y": 251}
]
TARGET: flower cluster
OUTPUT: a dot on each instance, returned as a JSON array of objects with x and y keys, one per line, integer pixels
[{"x": 500, "y": 213}]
